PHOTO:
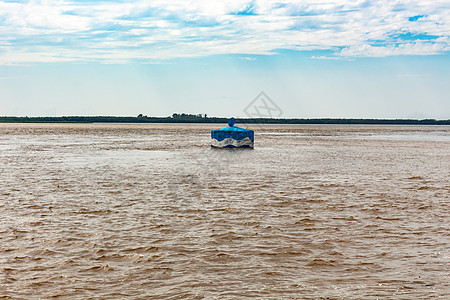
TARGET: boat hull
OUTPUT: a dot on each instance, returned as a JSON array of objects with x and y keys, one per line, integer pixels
[{"x": 232, "y": 143}]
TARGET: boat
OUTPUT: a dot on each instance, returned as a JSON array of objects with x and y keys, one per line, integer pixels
[{"x": 232, "y": 136}]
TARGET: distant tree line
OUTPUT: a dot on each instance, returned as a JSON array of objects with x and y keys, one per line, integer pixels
[{"x": 189, "y": 118}]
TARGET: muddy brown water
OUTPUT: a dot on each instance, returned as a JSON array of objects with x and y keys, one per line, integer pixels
[{"x": 110, "y": 211}]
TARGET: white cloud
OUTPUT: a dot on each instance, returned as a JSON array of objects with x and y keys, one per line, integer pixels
[
  {"x": 322, "y": 57},
  {"x": 55, "y": 30},
  {"x": 418, "y": 48}
]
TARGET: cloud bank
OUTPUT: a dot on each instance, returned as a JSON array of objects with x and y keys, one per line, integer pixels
[{"x": 145, "y": 31}]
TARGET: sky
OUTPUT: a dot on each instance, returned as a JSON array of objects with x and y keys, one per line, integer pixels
[{"x": 312, "y": 59}]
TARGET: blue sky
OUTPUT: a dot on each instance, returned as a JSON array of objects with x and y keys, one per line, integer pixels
[{"x": 358, "y": 59}]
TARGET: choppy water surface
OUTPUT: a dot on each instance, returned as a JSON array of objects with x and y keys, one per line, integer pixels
[{"x": 150, "y": 211}]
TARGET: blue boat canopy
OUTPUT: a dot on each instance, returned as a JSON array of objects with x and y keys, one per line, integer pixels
[{"x": 232, "y": 137}]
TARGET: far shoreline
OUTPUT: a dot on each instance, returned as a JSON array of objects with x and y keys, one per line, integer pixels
[{"x": 197, "y": 119}]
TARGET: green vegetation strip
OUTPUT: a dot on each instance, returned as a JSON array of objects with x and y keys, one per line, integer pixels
[{"x": 201, "y": 119}]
